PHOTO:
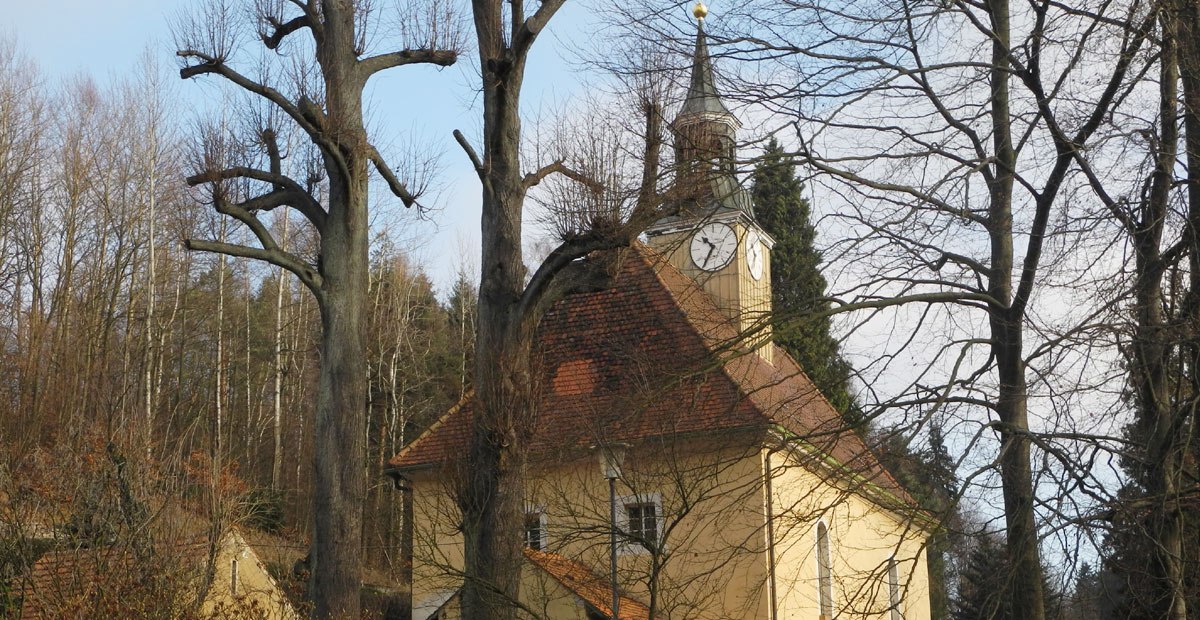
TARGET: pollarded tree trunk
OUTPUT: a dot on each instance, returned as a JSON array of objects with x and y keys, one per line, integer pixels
[
  {"x": 491, "y": 496},
  {"x": 494, "y": 495},
  {"x": 339, "y": 279},
  {"x": 341, "y": 403}
]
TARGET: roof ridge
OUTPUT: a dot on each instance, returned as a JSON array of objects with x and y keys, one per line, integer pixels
[{"x": 860, "y": 440}]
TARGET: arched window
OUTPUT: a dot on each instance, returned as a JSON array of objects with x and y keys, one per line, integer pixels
[
  {"x": 824, "y": 573},
  {"x": 894, "y": 590}
]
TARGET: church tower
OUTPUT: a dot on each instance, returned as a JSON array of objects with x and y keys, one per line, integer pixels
[{"x": 714, "y": 238}]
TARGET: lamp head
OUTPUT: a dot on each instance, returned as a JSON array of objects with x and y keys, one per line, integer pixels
[{"x": 611, "y": 457}]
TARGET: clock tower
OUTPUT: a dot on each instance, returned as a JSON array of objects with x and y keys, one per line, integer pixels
[{"x": 714, "y": 237}]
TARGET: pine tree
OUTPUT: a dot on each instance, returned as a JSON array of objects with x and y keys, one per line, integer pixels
[
  {"x": 796, "y": 281},
  {"x": 981, "y": 585}
]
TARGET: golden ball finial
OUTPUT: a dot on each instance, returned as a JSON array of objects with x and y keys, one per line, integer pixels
[{"x": 700, "y": 10}]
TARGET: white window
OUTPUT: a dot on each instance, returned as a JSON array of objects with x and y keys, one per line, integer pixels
[
  {"x": 233, "y": 577},
  {"x": 894, "y": 590},
  {"x": 535, "y": 529},
  {"x": 643, "y": 523},
  {"x": 639, "y": 518},
  {"x": 824, "y": 573}
]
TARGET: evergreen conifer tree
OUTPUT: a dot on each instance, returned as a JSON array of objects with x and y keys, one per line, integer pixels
[
  {"x": 981, "y": 585},
  {"x": 796, "y": 281}
]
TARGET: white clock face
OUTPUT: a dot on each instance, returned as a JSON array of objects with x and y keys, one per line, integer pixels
[
  {"x": 713, "y": 246},
  {"x": 754, "y": 255}
]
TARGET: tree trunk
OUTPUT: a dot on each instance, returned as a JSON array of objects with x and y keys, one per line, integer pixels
[
  {"x": 340, "y": 459},
  {"x": 493, "y": 505},
  {"x": 1162, "y": 419},
  {"x": 277, "y": 419},
  {"x": 492, "y": 500},
  {"x": 1025, "y": 584}
]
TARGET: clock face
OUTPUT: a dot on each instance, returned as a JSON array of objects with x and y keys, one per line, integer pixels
[
  {"x": 713, "y": 246},
  {"x": 754, "y": 255}
]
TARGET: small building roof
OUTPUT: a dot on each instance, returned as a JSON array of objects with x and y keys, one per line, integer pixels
[
  {"x": 67, "y": 581},
  {"x": 65, "y": 577},
  {"x": 593, "y": 589},
  {"x": 653, "y": 356}
]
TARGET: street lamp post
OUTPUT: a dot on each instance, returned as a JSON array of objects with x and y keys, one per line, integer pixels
[{"x": 611, "y": 456}]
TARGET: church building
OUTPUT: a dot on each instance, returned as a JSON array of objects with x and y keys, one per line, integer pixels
[{"x": 668, "y": 416}]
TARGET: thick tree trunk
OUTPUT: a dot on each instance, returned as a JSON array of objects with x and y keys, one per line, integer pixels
[
  {"x": 494, "y": 495},
  {"x": 340, "y": 457},
  {"x": 492, "y": 498}
]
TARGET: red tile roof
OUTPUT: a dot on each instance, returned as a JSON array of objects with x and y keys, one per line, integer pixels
[
  {"x": 63, "y": 583},
  {"x": 587, "y": 585},
  {"x": 652, "y": 356}
]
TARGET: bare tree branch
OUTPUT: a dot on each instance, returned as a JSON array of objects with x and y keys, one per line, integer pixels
[
  {"x": 375, "y": 64},
  {"x": 524, "y": 36},
  {"x": 296, "y": 196},
  {"x": 471, "y": 154},
  {"x": 533, "y": 178},
  {"x": 279, "y": 258},
  {"x": 210, "y": 65},
  {"x": 282, "y": 30},
  {"x": 394, "y": 183}
]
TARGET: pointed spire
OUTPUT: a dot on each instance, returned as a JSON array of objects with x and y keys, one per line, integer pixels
[{"x": 702, "y": 98}]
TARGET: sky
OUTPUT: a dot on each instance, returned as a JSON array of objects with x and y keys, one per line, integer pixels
[{"x": 423, "y": 106}]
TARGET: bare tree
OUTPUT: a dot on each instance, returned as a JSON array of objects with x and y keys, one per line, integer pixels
[
  {"x": 326, "y": 107},
  {"x": 512, "y": 302}
]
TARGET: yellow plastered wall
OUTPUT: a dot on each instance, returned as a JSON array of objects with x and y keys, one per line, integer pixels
[
  {"x": 862, "y": 535},
  {"x": 714, "y": 567},
  {"x": 545, "y": 596},
  {"x": 716, "y": 564},
  {"x": 256, "y": 593}
]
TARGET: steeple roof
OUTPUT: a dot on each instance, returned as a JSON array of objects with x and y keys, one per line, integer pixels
[{"x": 702, "y": 98}]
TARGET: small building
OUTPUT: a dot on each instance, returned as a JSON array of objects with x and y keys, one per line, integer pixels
[
  {"x": 122, "y": 582},
  {"x": 738, "y": 490}
]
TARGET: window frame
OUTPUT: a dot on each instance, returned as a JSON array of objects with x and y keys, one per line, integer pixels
[
  {"x": 824, "y": 557},
  {"x": 627, "y": 545},
  {"x": 895, "y": 597},
  {"x": 537, "y": 512}
]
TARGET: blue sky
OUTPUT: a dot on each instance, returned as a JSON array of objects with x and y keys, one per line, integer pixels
[{"x": 105, "y": 39}]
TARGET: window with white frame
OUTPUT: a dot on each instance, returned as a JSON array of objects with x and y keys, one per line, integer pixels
[
  {"x": 894, "y": 590},
  {"x": 643, "y": 523},
  {"x": 640, "y": 520},
  {"x": 824, "y": 573},
  {"x": 535, "y": 529}
]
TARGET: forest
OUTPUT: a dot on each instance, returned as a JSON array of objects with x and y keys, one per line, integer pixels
[{"x": 986, "y": 260}]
